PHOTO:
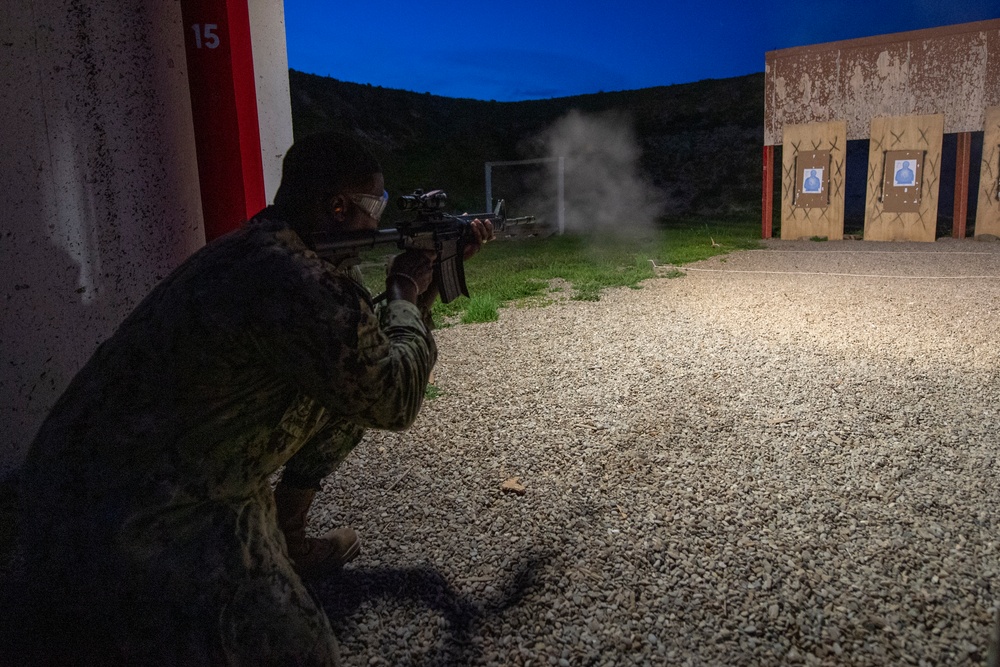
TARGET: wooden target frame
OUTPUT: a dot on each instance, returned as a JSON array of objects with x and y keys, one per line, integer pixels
[
  {"x": 888, "y": 218},
  {"x": 820, "y": 213},
  {"x": 988, "y": 209}
]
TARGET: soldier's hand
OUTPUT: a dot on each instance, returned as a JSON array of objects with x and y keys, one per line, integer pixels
[
  {"x": 482, "y": 231},
  {"x": 410, "y": 274}
]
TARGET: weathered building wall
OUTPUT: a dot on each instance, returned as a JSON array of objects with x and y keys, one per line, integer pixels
[
  {"x": 101, "y": 196},
  {"x": 953, "y": 70}
]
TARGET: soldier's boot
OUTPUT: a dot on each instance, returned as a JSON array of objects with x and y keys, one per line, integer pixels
[{"x": 311, "y": 556}]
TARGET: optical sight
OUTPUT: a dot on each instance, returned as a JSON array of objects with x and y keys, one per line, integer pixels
[{"x": 434, "y": 200}]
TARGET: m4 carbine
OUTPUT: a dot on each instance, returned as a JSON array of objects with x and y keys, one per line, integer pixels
[{"x": 442, "y": 233}]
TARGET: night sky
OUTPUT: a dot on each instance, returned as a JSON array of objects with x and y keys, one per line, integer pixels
[{"x": 518, "y": 50}]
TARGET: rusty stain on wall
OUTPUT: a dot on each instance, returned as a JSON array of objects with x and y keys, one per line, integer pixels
[{"x": 952, "y": 70}]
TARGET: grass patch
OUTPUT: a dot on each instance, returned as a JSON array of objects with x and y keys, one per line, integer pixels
[
  {"x": 432, "y": 391},
  {"x": 512, "y": 271},
  {"x": 481, "y": 308}
]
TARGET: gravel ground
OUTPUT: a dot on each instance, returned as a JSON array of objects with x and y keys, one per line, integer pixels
[{"x": 786, "y": 456}]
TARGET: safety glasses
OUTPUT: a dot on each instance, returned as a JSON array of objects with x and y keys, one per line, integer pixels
[{"x": 373, "y": 205}]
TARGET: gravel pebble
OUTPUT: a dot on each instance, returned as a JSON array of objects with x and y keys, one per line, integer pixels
[{"x": 786, "y": 456}]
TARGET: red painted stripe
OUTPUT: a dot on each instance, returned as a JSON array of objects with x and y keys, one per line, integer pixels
[
  {"x": 767, "y": 197},
  {"x": 245, "y": 86},
  {"x": 224, "y": 109}
]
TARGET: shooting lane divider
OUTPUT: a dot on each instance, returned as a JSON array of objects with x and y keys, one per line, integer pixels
[{"x": 224, "y": 108}]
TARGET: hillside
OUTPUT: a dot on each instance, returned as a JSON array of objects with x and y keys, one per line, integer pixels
[{"x": 698, "y": 144}]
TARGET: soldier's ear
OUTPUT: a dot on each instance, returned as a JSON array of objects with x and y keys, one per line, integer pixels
[{"x": 337, "y": 207}]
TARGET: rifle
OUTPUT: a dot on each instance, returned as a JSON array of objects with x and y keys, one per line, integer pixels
[{"x": 433, "y": 229}]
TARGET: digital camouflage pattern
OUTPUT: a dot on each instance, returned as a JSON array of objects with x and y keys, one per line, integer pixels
[{"x": 148, "y": 518}]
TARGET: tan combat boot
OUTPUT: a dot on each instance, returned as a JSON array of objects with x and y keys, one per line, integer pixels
[{"x": 311, "y": 556}]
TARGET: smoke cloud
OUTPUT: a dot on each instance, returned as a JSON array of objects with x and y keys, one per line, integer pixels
[{"x": 605, "y": 191}]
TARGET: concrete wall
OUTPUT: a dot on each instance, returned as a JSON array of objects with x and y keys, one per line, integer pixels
[
  {"x": 953, "y": 70},
  {"x": 274, "y": 106},
  {"x": 101, "y": 196}
]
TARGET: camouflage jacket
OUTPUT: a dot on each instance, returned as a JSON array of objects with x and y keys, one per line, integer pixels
[
  {"x": 151, "y": 472},
  {"x": 230, "y": 364}
]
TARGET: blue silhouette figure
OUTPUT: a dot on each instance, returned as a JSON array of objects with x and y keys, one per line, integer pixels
[
  {"x": 811, "y": 183},
  {"x": 905, "y": 175}
]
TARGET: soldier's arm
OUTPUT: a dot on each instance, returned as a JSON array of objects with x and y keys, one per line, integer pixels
[{"x": 369, "y": 368}]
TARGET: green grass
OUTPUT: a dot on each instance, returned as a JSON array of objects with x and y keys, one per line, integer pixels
[
  {"x": 515, "y": 271},
  {"x": 481, "y": 308}
]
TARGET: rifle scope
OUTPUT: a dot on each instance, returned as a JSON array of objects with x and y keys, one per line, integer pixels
[{"x": 425, "y": 201}]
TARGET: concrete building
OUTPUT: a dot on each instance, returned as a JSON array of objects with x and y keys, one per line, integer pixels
[{"x": 107, "y": 112}]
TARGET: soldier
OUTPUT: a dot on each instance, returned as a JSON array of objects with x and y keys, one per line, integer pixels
[{"x": 151, "y": 533}]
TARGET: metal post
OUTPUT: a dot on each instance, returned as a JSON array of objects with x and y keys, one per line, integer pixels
[
  {"x": 961, "y": 212},
  {"x": 489, "y": 187},
  {"x": 561, "y": 195},
  {"x": 560, "y": 185},
  {"x": 767, "y": 194}
]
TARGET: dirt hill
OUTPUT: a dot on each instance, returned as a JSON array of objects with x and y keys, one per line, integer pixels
[{"x": 698, "y": 144}]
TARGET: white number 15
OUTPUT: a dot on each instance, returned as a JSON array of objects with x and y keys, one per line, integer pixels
[{"x": 204, "y": 35}]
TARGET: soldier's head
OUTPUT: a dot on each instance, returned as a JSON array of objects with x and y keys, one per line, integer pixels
[{"x": 330, "y": 181}]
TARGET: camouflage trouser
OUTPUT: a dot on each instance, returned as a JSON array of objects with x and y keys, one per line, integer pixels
[
  {"x": 202, "y": 585},
  {"x": 322, "y": 454}
]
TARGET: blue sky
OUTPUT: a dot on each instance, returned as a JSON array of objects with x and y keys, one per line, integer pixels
[{"x": 518, "y": 50}]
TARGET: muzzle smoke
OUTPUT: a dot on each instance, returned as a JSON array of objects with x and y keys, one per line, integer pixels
[{"x": 605, "y": 191}]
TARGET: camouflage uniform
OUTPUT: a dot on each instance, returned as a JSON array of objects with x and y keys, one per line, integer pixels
[{"x": 149, "y": 522}]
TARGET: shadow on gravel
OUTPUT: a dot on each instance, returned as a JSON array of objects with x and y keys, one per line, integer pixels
[{"x": 342, "y": 594}]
